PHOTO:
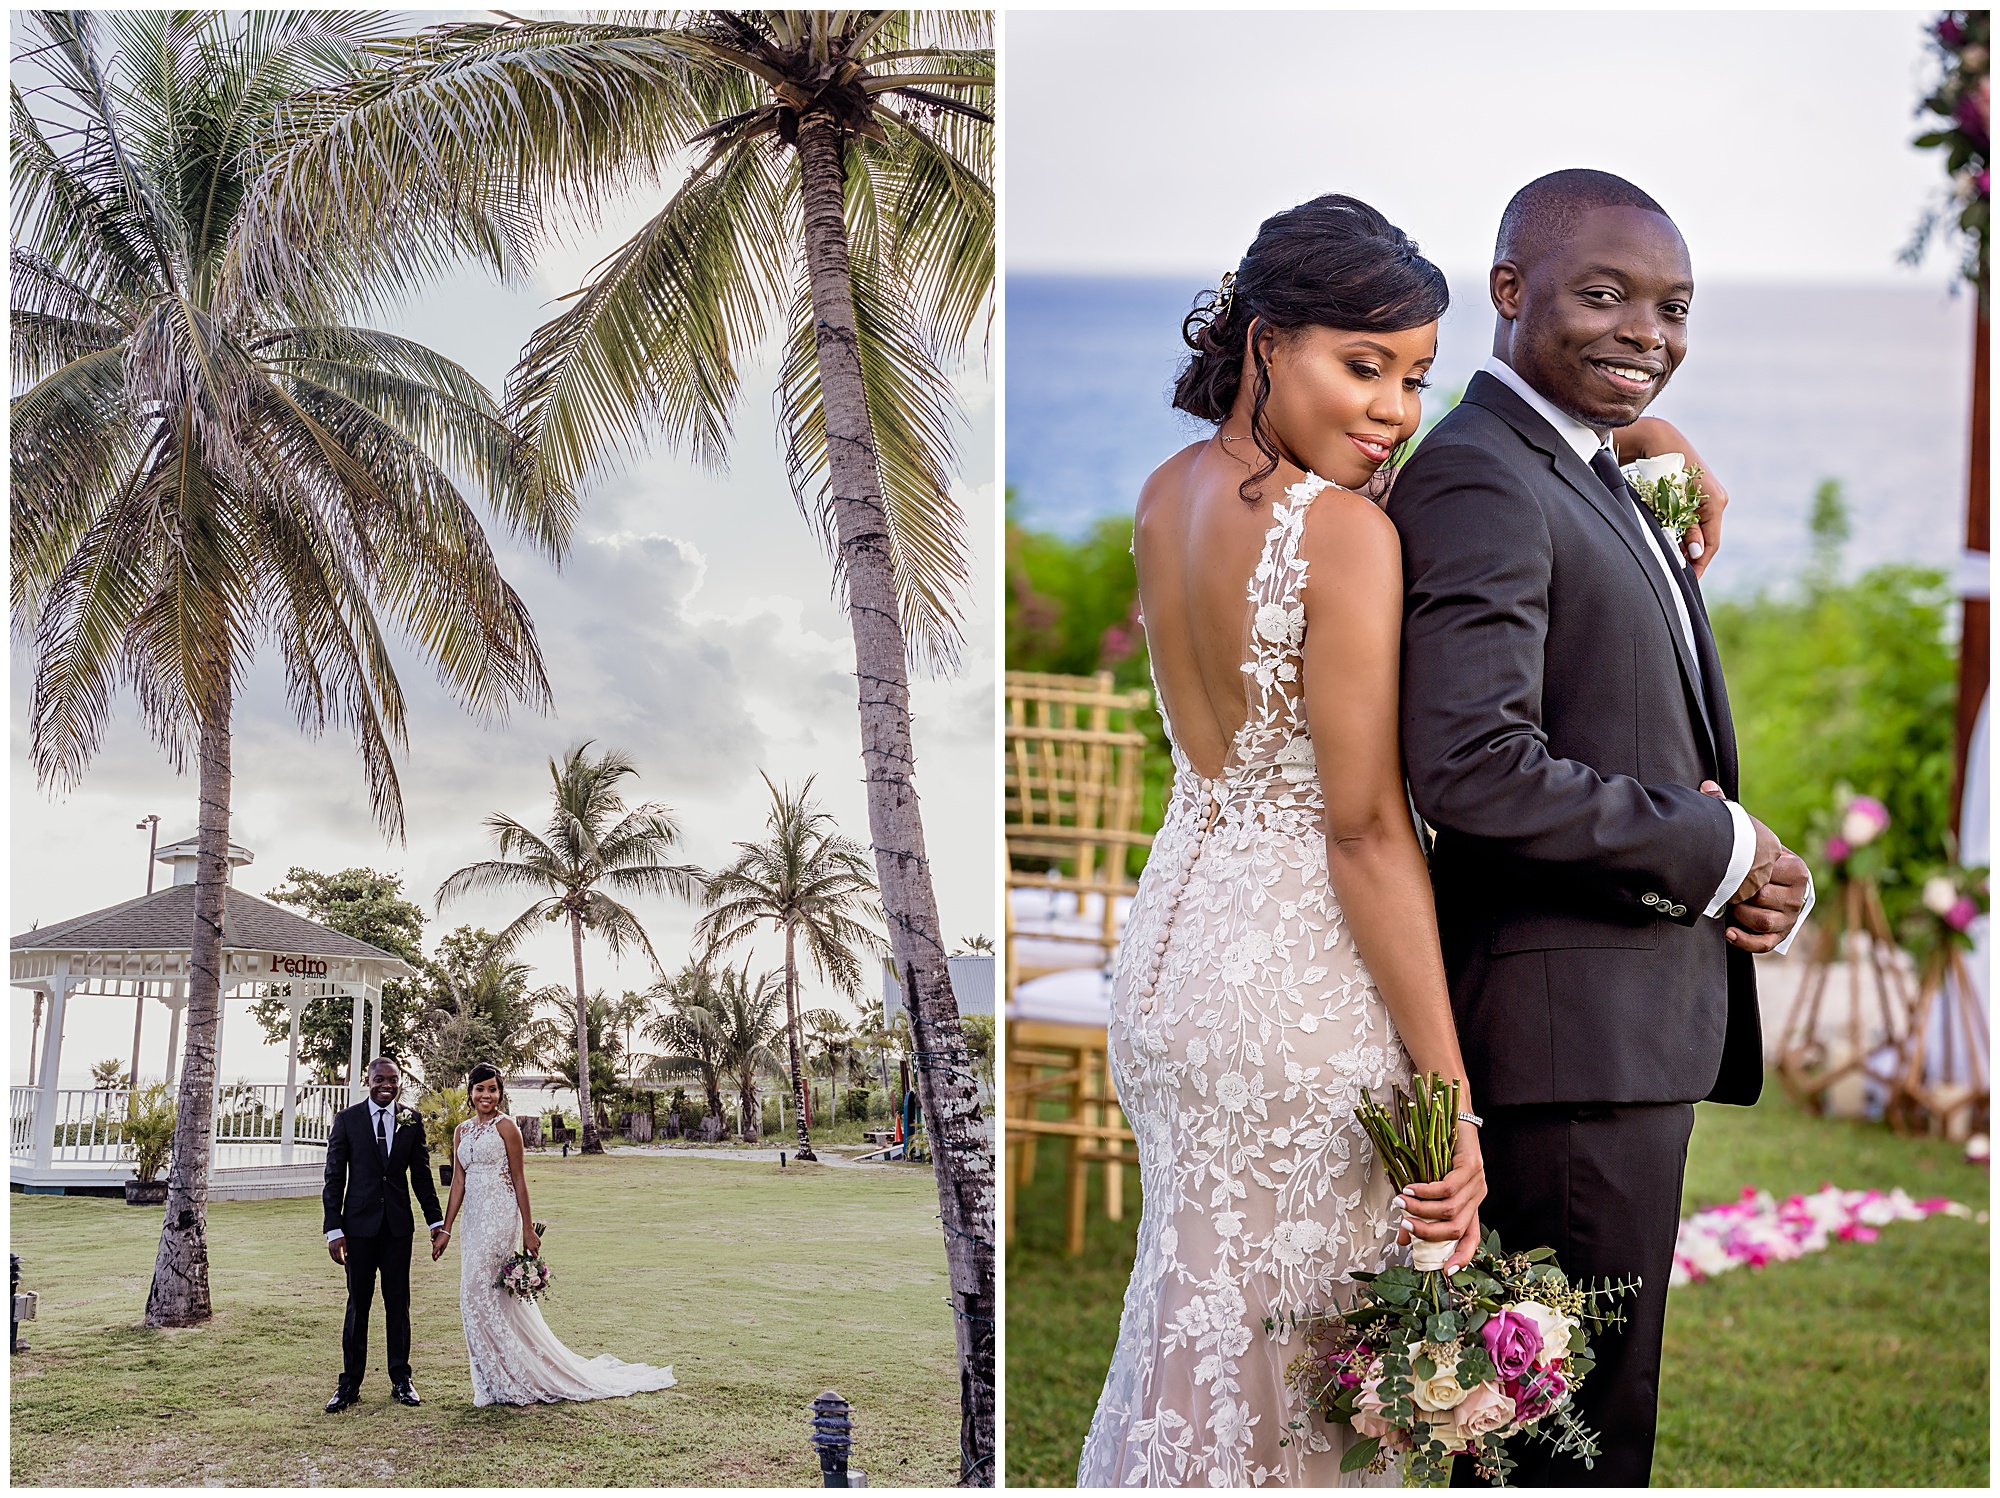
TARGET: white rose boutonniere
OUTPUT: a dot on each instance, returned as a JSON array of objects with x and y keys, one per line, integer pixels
[{"x": 1667, "y": 487}]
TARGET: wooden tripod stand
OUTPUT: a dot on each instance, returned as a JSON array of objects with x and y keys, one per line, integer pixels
[
  {"x": 1807, "y": 1065},
  {"x": 1955, "y": 1109}
]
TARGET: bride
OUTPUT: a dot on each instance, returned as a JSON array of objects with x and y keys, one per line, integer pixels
[
  {"x": 1281, "y": 957},
  {"x": 515, "y": 1358}
]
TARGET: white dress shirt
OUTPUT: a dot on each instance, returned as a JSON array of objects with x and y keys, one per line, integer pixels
[
  {"x": 1586, "y": 443},
  {"x": 384, "y": 1119}
]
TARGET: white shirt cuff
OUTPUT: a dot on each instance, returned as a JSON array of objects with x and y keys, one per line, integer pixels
[
  {"x": 1800, "y": 924},
  {"x": 1740, "y": 854},
  {"x": 336, "y": 1233},
  {"x": 438, "y": 1224}
]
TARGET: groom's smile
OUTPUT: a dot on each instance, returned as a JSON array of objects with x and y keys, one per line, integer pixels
[{"x": 1596, "y": 319}]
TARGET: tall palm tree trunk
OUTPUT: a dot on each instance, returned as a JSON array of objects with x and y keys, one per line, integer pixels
[
  {"x": 945, "y": 1084},
  {"x": 792, "y": 1042},
  {"x": 591, "y": 1146},
  {"x": 179, "y": 1296}
]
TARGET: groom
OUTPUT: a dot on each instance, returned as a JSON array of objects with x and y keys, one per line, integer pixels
[
  {"x": 374, "y": 1157},
  {"x": 1566, "y": 731}
]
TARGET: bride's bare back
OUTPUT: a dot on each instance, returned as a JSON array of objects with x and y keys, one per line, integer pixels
[{"x": 1196, "y": 542}]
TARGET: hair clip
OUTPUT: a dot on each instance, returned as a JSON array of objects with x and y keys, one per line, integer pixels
[{"x": 1225, "y": 293}]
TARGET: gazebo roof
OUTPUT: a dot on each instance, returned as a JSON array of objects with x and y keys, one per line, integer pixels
[{"x": 164, "y": 921}]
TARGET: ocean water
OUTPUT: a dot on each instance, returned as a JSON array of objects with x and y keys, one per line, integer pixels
[{"x": 1783, "y": 387}]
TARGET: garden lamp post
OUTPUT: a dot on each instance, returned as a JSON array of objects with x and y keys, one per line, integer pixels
[{"x": 152, "y": 821}]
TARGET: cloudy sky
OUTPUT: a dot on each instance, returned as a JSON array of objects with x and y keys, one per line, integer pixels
[
  {"x": 1778, "y": 140},
  {"x": 693, "y": 627}
]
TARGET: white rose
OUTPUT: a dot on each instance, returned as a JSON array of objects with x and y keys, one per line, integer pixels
[
  {"x": 1651, "y": 470},
  {"x": 1940, "y": 894},
  {"x": 1441, "y": 1391},
  {"x": 1554, "y": 1327}
]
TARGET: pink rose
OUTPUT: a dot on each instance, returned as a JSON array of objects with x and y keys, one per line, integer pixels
[
  {"x": 1536, "y": 1395},
  {"x": 1837, "y": 849},
  {"x": 1870, "y": 808},
  {"x": 1963, "y": 912},
  {"x": 1368, "y": 1417},
  {"x": 1512, "y": 1341},
  {"x": 1483, "y": 1411}
]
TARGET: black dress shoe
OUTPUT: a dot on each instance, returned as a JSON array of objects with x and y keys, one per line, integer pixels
[
  {"x": 405, "y": 1393},
  {"x": 342, "y": 1398}
]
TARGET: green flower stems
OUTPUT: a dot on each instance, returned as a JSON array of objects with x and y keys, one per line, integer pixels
[{"x": 1416, "y": 1135}]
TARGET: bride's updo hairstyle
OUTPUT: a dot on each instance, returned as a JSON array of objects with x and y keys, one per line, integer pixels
[
  {"x": 486, "y": 1071},
  {"x": 1331, "y": 263}
]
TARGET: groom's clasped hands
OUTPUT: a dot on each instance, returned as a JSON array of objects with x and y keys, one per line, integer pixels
[{"x": 1773, "y": 894}]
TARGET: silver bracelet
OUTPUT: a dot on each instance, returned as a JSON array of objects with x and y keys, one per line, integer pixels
[{"x": 1472, "y": 1118}]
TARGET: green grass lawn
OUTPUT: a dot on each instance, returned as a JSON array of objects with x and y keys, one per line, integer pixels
[
  {"x": 1865, "y": 1365},
  {"x": 760, "y": 1287}
]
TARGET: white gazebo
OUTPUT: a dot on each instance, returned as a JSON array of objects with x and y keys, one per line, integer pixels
[{"x": 268, "y": 1140}]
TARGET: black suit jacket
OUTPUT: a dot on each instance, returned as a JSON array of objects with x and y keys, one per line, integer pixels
[
  {"x": 361, "y": 1197},
  {"x": 1555, "y": 738}
]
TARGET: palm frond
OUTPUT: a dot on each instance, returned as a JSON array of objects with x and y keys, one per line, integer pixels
[{"x": 654, "y": 339}]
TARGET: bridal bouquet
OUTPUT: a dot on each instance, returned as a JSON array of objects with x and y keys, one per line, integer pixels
[
  {"x": 524, "y": 1276},
  {"x": 1440, "y": 1366},
  {"x": 1669, "y": 488}
]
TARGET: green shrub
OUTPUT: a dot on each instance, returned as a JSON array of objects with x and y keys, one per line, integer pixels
[
  {"x": 1073, "y": 607},
  {"x": 1853, "y": 682},
  {"x": 443, "y": 1110},
  {"x": 855, "y": 1104},
  {"x": 149, "y": 1129}
]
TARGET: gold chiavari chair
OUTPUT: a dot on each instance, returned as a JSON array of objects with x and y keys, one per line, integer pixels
[{"x": 1074, "y": 784}]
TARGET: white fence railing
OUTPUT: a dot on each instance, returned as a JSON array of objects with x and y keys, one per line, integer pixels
[
  {"x": 21, "y": 1121},
  {"x": 255, "y": 1114},
  {"x": 90, "y": 1122}
]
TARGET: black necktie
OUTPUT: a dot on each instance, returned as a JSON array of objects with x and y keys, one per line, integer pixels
[
  {"x": 381, "y": 1135},
  {"x": 1606, "y": 468}
]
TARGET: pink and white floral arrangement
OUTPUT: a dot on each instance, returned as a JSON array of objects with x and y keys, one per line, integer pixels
[
  {"x": 524, "y": 1276},
  {"x": 1429, "y": 1368}
]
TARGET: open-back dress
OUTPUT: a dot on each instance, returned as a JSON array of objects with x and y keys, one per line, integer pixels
[{"x": 1244, "y": 1026}]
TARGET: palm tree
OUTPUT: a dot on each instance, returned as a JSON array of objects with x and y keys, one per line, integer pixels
[
  {"x": 828, "y": 1035},
  {"x": 482, "y": 1010},
  {"x": 584, "y": 854},
  {"x": 745, "y": 1017},
  {"x": 565, "y": 1061},
  {"x": 834, "y": 174},
  {"x": 812, "y": 884},
  {"x": 204, "y": 464},
  {"x": 630, "y": 1008},
  {"x": 877, "y": 1039},
  {"x": 685, "y": 1032}
]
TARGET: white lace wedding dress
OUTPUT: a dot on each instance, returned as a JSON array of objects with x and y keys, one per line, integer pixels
[
  {"x": 1243, "y": 1028},
  {"x": 515, "y": 1358}
]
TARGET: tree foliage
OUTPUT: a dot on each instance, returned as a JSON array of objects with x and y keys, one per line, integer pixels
[{"x": 368, "y": 906}]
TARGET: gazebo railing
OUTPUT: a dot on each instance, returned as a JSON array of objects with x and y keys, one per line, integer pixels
[
  {"x": 89, "y": 1122},
  {"x": 255, "y": 1113},
  {"x": 21, "y": 1121}
]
